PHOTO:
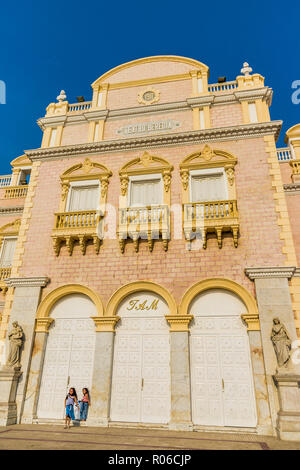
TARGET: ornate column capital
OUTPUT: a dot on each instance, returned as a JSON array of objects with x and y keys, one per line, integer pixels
[
  {"x": 42, "y": 324},
  {"x": 179, "y": 322},
  {"x": 252, "y": 321},
  {"x": 105, "y": 323},
  {"x": 27, "y": 281},
  {"x": 270, "y": 272}
]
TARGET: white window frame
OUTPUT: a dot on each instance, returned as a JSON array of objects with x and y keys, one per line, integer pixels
[
  {"x": 153, "y": 176},
  {"x": 14, "y": 237},
  {"x": 23, "y": 168},
  {"x": 207, "y": 171},
  {"x": 74, "y": 184}
]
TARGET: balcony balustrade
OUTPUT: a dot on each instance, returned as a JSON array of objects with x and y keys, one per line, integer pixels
[
  {"x": 5, "y": 273},
  {"x": 79, "y": 225},
  {"x": 150, "y": 223},
  {"x": 284, "y": 155},
  {"x": 15, "y": 192},
  {"x": 217, "y": 217},
  {"x": 5, "y": 180}
]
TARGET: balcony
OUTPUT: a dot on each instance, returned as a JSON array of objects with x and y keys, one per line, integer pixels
[
  {"x": 15, "y": 192},
  {"x": 211, "y": 217},
  {"x": 5, "y": 273},
  {"x": 225, "y": 87},
  {"x": 284, "y": 155},
  {"x": 148, "y": 223},
  {"x": 5, "y": 180},
  {"x": 78, "y": 226}
]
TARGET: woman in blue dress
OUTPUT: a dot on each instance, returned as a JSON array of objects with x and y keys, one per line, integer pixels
[{"x": 70, "y": 400}]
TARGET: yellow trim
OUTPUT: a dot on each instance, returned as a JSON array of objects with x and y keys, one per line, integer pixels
[
  {"x": 145, "y": 60},
  {"x": 219, "y": 283},
  {"x": 23, "y": 160},
  {"x": 149, "y": 81},
  {"x": 137, "y": 286},
  {"x": 49, "y": 301}
]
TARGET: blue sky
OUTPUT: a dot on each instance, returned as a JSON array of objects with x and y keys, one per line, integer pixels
[{"x": 49, "y": 46}]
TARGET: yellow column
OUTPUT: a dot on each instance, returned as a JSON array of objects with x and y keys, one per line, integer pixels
[
  {"x": 58, "y": 137},
  {"x": 46, "y": 137}
]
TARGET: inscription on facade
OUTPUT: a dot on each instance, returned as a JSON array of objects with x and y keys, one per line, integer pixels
[
  {"x": 136, "y": 304},
  {"x": 148, "y": 127}
]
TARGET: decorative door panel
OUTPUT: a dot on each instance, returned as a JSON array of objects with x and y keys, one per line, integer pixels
[
  {"x": 221, "y": 374},
  {"x": 126, "y": 379},
  {"x": 206, "y": 379},
  {"x": 68, "y": 363}
]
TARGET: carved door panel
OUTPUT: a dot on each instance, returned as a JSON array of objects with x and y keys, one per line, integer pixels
[
  {"x": 156, "y": 379},
  {"x": 141, "y": 373},
  {"x": 68, "y": 363},
  {"x": 206, "y": 378},
  {"x": 222, "y": 384},
  {"x": 126, "y": 379}
]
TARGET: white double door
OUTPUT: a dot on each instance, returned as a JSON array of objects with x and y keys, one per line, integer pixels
[
  {"x": 221, "y": 373},
  {"x": 68, "y": 362},
  {"x": 141, "y": 373}
]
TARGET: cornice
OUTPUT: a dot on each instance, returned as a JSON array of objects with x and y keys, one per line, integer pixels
[
  {"x": 209, "y": 99},
  {"x": 270, "y": 272},
  {"x": 199, "y": 101},
  {"x": 244, "y": 131},
  {"x": 27, "y": 281},
  {"x": 264, "y": 93},
  {"x": 16, "y": 210}
]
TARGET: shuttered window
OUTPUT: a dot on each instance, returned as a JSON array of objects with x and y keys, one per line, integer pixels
[
  {"x": 7, "y": 252},
  {"x": 210, "y": 187},
  {"x": 83, "y": 198},
  {"x": 146, "y": 193}
]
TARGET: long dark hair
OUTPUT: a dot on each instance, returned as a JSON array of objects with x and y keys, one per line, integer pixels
[
  {"x": 74, "y": 393},
  {"x": 87, "y": 391}
]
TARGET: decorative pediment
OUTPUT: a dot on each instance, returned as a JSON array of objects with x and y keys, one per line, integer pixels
[
  {"x": 208, "y": 158},
  {"x": 145, "y": 165},
  {"x": 11, "y": 229},
  {"x": 23, "y": 160},
  {"x": 86, "y": 170}
]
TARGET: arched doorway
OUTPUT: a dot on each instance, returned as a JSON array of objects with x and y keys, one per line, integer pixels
[
  {"x": 69, "y": 354},
  {"x": 222, "y": 387},
  {"x": 141, "y": 366}
]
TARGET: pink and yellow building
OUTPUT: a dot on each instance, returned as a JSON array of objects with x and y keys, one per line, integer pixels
[{"x": 146, "y": 248}]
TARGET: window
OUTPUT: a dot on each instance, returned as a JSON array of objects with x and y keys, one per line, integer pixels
[
  {"x": 7, "y": 252},
  {"x": 252, "y": 112},
  {"x": 52, "y": 137},
  {"x": 83, "y": 198},
  {"x": 146, "y": 192},
  {"x": 208, "y": 186}
]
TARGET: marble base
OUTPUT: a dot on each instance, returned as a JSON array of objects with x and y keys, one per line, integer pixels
[
  {"x": 180, "y": 426},
  {"x": 288, "y": 419},
  {"x": 8, "y": 390}
]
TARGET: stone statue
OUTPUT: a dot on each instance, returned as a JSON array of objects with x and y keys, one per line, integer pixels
[
  {"x": 16, "y": 340},
  {"x": 281, "y": 342}
]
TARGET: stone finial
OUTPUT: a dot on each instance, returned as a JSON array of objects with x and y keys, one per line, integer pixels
[
  {"x": 62, "y": 96},
  {"x": 246, "y": 70}
]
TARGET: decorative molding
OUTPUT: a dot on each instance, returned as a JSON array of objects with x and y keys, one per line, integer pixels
[
  {"x": 297, "y": 272},
  {"x": 292, "y": 188},
  {"x": 16, "y": 210},
  {"x": 179, "y": 322},
  {"x": 252, "y": 321},
  {"x": 243, "y": 131},
  {"x": 148, "y": 96},
  {"x": 27, "y": 281},
  {"x": 264, "y": 93},
  {"x": 270, "y": 272},
  {"x": 105, "y": 324},
  {"x": 42, "y": 324}
]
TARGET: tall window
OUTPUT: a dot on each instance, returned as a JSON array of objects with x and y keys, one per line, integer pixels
[
  {"x": 83, "y": 198},
  {"x": 208, "y": 187},
  {"x": 146, "y": 192},
  {"x": 7, "y": 252}
]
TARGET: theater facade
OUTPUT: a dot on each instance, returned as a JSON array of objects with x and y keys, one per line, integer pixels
[{"x": 149, "y": 252}]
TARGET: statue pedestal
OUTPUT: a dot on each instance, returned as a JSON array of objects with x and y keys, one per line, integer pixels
[
  {"x": 8, "y": 389},
  {"x": 288, "y": 420}
]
